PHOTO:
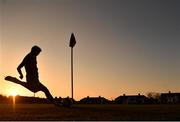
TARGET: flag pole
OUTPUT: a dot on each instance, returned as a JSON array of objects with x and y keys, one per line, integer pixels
[
  {"x": 72, "y": 73},
  {"x": 72, "y": 44}
]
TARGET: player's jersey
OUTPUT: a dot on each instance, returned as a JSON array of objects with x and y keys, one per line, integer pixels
[{"x": 30, "y": 64}]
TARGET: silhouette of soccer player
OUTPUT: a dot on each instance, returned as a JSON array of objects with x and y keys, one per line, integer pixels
[{"x": 33, "y": 84}]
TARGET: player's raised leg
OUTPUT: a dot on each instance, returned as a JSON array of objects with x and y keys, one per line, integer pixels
[
  {"x": 29, "y": 86},
  {"x": 15, "y": 80}
]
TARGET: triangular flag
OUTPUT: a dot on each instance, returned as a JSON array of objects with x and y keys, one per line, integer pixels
[{"x": 72, "y": 41}]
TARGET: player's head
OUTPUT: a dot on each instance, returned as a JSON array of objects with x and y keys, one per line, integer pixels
[{"x": 35, "y": 50}]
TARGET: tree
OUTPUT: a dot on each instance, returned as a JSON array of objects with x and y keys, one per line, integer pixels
[{"x": 154, "y": 95}]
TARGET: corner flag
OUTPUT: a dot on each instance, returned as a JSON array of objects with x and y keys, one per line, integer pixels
[{"x": 72, "y": 41}]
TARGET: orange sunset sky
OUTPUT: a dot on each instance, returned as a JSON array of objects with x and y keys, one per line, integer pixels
[{"x": 123, "y": 46}]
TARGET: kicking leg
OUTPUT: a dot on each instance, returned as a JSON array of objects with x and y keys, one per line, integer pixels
[
  {"x": 15, "y": 80},
  {"x": 29, "y": 86}
]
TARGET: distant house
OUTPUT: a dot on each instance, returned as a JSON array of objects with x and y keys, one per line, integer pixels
[
  {"x": 131, "y": 99},
  {"x": 94, "y": 100},
  {"x": 170, "y": 98}
]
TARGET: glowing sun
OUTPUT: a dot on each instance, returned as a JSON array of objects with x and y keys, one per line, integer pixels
[{"x": 13, "y": 92}]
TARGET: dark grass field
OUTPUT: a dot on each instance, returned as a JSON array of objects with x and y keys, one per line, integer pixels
[{"x": 89, "y": 112}]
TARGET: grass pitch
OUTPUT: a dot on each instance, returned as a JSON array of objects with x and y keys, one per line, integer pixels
[{"x": 89, "y": 112}]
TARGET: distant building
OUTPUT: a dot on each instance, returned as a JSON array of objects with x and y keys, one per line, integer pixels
[
  {"x": 170, "y": 98},
  {"x": 94, "y": 100},
  {"x": 131, "y": 99}
]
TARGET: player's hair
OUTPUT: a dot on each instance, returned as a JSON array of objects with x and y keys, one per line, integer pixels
[{"x": 35, "y": 49}]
